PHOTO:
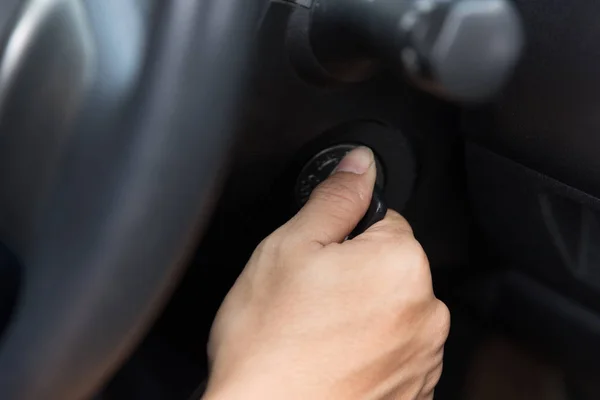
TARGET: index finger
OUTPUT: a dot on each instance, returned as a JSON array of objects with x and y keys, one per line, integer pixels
[{"x": 393, "y": 225}]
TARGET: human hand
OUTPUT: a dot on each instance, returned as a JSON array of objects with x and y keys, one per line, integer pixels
[{"x": 315, "y": 317}]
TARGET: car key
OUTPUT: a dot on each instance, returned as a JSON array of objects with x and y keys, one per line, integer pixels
[
  {"x": 320, "y": 166},
  {"x": 375, "y": 213}
]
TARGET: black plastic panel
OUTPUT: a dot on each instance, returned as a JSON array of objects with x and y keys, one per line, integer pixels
[
  {"x": 548, "y": 118},
  {"x": 553, "y": 326},
  {"x": 542, "y": 227},
  {"x": 534, "y": 181}
]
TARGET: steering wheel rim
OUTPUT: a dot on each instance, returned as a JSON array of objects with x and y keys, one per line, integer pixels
[{"x": 109, "y": 171}]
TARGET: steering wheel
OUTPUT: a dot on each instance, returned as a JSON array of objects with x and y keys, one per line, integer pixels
[{"x": 115, "y": 121}]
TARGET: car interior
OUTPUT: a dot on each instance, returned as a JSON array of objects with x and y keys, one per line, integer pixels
[{"x": 148, "y": 146}]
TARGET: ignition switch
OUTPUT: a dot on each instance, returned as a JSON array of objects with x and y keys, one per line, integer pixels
[{"x": 318, "y": 168}]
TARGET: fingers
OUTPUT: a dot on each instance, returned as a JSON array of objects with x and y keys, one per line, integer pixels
[
  {"x": 338, "y": 204},
  {"x": 393, "y": 224}
]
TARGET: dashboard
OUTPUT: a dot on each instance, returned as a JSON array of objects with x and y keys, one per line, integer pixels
[{"x": 503, "y": 194}]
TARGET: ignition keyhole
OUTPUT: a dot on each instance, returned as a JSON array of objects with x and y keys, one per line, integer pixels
[{"x": 319, "y": 167}]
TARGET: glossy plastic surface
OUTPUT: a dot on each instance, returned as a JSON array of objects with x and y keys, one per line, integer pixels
[{"x": 463, "y": 50}]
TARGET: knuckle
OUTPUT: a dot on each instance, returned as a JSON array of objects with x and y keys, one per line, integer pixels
[
  {"x": 405, "y": 257},
  {"x": 431, "y": 381},
  {"x": 415, "y": 250},
  {"x": 398, "y": 222},
  {"x": 274, "y": 245},
  {"x": 270, "y": 242},
  {"x": 393, "y": 228},
  {"x": 441, "y": 320},
  {"x": 419, "y": 259},
  {"x": 413, "y": 256}
]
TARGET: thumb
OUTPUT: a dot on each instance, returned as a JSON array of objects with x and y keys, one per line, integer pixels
[{"x": 337, "y": 205}]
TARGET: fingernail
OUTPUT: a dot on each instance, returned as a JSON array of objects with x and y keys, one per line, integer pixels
[{"x": 357, "y": 161}]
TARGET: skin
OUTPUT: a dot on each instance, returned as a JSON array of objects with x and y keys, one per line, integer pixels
[{"x": 313, "y": 316}]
